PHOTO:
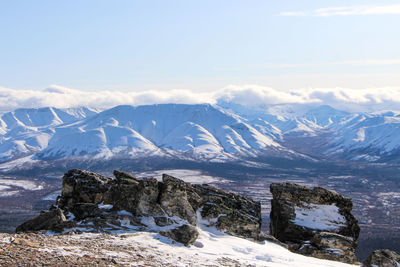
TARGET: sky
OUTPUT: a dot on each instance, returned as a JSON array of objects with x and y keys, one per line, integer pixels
[{"x": 199, "y": 46}]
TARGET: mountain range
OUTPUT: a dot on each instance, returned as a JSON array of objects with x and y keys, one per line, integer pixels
[{"x": 201, "y": 132}]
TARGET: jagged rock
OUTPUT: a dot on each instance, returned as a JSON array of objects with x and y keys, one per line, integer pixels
[
  {"x": 293, "y": 205},
  {"x": 84, "y": 210},
  {"x": 230, "y": 212},
  {"x": 53, "y": 220},
  {"x": 383, "y": 258},
  {"x": 81, "y": 186},
  {"x": 174, "y": 199},
  {"x": 315, "y": 222},
  {"x": 185, "y": 234},
  {"x": 99, "y": 203},
  {"x": 124, "y": 176},
  {"x": 139, "y": 198},
  {"x": 331, "y": 246}
]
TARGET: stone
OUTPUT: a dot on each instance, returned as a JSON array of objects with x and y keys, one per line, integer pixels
[
  {"x": 84, "y": 210},
  {"x": 185, "y": 234},
  {"x": 81, "y": 186},
  {"x": 122, "y": 177},
  {"x": 53, "y": 220},
  {"x": 292, "y": 203},
  {"x": 230, "y": 212},
  {"x": 331, "y": 246},
  {"x": 174, "y": 199},
  {"x": 314, "y": 222},
  {"x": 139, "y": 198},
  {"x": 383, "y": 258}
]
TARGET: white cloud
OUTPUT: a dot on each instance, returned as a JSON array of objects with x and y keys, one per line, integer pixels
[
  {"x": 365, "y": 62},
  {"x": 369, "y": 99},
  {"x": 347, "y": 11}
]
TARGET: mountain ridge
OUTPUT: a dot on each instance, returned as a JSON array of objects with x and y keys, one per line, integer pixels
[{"x": 198, "y": 132}]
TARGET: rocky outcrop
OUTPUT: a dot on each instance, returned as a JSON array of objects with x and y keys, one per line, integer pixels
[
  {"x": 230, "y": 212},
  {"x": 383, "y": 258},
  {"x": 53, "y": 220},
  {"x": 92, "y": 202},
  {"x": 315, "y": 222}
]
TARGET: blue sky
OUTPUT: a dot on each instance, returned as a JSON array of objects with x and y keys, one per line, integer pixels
[{"x": 199, "y": 45}]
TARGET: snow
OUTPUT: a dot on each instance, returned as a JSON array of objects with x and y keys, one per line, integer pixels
[
  {"x": 211, "y": 248},
  {"x": 323, "y": 217},
  {"x": 104, "y": 206},
  {"x": 201, "y": 132}
]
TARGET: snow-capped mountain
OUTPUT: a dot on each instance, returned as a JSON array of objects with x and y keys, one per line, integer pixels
[
  {"x": 202, "y": 132},
  {"x": 28, "y": 131},
  {"x": 199, "y": 130}
]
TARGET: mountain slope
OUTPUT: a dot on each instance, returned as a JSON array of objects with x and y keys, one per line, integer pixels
[
  {"x": 199, "y": 129},
  {"x": 200, "y": 132}
]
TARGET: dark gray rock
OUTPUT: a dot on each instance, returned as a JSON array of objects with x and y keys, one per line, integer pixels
[
  {"x": 331, "y": 246},
  {"x": 315, "y": 222},
  {"x": 53, "y": 220},
  {"x": 174, "y": 199},
  {"x": 84, "y": 210},
  {"x": 287, "y": 198},
  {"x": 383, "y": 258},
  {"x": 80, "y": 186},
  {"x": 185, "y": 234},
  {"x": 99, "y": 203},
  {"x": 230, "y": 212},
  {"x": 122, "y": 177}
]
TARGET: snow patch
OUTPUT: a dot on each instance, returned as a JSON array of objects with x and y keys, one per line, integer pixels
[{"x": 323, "y": 217}]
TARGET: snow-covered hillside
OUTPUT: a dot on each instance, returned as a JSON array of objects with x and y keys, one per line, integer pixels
[
  {"x": 219, "y": 132},
  {"x": 151, "y": 249}
]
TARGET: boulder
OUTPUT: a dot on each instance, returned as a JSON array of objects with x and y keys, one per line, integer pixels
[
  {"x": 331, "y": 246},
  {"x": 315, "y": 222},
  {"x": 124, "y": 176},
  {"x": 138, "y": 197},
  {"x": 81, "y": 186},
  {"x": 298, "y": 212},
  {"x": 230, "y": 212},
  {"x": 53, "y": 220},
  {"x": 383, "y": 258},
  {"x": 174, "y": 199},
  {"x": 185, "y": 234}
]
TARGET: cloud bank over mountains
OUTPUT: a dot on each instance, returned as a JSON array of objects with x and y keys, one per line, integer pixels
[{"x": 369, "y": 99}]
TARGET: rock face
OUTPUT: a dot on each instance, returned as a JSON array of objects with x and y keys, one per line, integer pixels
[
  {"x": 98, "y": 203},
  {"x": 316, "y": 222},
  {"x": 383, "y": 258}
]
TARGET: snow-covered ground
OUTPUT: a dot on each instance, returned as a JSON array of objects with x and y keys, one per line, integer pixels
[{"x": 212, "y": 248}]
